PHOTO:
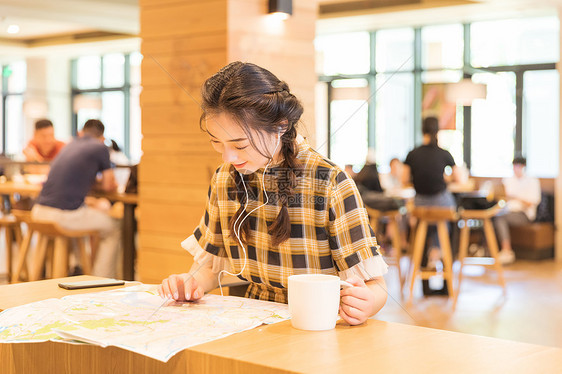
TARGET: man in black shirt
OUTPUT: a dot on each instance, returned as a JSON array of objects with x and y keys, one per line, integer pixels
[{"x": 426, "y": 164}]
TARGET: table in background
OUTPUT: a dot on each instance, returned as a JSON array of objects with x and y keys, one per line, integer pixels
[
  {"x": 129, "y": 224},
  {"x": 373, "y": 347}
]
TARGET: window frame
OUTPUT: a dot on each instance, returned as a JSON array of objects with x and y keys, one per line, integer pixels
[
  {"x": 418, "y": 70},
  {"x": 6, "y": 93},
  {"x": 125, "y": 89}
]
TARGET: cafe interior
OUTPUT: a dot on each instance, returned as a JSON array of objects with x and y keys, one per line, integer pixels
[{"x": 367, "y": 74}]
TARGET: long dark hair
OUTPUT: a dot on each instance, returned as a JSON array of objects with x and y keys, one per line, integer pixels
[{"x": 257, "y": 100}]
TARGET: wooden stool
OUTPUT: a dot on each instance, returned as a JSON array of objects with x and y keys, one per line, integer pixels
[
  {"x": 438, "y": 216},
  {"x": 375, "y": 216},
  {"x": 486, "y": 216},
  {"x": 55, "y": 239},
  {"x": 12, "y": 231}
]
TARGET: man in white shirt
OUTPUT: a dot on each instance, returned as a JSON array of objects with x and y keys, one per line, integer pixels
[{"x": 523, "y": 195}]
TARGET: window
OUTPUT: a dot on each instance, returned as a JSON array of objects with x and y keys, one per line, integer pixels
[
  {"x": 394, "y": 117},
  {"x": 515, "y": 42},
  {"x": 343, "y": 53},
  {"x": 541, "y": 95},
  {"x": 135, "y": 132},
  {"x": 514, "y": 58},
  {"x": 395, "y": 50},
  {"x": 349, "y": 113},
  {"x": 13, "y": 87},
  {"x": 108, "y": 88},
  {"x": 493, "y": 126},
  {"x": 88, "y": 72},
  {"x": 442, "y": 47}
]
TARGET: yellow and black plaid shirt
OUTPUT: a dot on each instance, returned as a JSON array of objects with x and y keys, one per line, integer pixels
[{"x": 330, "y": 229}]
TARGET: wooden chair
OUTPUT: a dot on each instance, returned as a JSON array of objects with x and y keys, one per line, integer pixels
[
  {"x": 438, "y": 216},
  {"x": 51, "y": 238},
  {"x": 12, "y": 232},
  {"x": 394, "y": 216},
  {"x": 486, "y": 216}
]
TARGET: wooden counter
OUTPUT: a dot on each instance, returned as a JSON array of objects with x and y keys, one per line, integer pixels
[{"x": 373, "y": 347}]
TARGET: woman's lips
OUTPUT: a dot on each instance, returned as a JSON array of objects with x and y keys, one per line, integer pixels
[{"x": 238, "y": 166}]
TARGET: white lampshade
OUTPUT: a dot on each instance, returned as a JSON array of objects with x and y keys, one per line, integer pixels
[
  {"x": 86, "y": 102},
  {"x": 35, "y": 108},
  {"x": 465, "y": 91}
]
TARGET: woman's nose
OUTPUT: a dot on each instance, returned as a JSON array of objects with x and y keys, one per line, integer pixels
[{"x": 229, "y": 155}]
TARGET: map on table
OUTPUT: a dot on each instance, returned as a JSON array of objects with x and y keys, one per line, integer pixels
[{"x": 129, "y": 318}]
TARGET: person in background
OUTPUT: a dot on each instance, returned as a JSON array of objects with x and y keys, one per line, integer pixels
[
  {"x": 523, "y": 195},
  {"x": 349, "y": 170},
  {"x": 116, "y": 155},
  {"x": 43, "y": 147},
  {"x": 393, "y": 180},
  {"x": 426, "y": 166},
  {"x": 73, "y": 174},
  {"x": 368, "y": 178}
]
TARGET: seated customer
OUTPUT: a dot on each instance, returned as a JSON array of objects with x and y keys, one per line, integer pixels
[
  {"x": 393, "y": 180},
  {"x": 523, "y": 195},
  {"x": 368, "y": 178},
  {"x": 43, "y": 147},
  {"x": 72, "y": 175}
]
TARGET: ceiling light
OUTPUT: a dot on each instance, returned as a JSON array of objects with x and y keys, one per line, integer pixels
[
  {"x": 13, "y": 29},
  {"x": 281, "y": 8}
]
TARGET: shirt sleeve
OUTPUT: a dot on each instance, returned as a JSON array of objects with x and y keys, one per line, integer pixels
[
  {"x": 352, "y": 241},
  {"x": 209, "y": 232},
  {"x": 408, "y": 160},
  {"x": 449, "y": 160},
  {"x": 105, "y": 163}
]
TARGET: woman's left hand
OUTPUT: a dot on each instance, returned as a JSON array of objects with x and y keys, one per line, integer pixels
[{"x": 357, "y": 303}]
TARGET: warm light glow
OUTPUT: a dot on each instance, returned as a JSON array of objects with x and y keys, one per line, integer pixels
[
  {"x": 279, "y": 16},
  {"x": 13, "y": 29},
  {"x": 465, "y": 91}
]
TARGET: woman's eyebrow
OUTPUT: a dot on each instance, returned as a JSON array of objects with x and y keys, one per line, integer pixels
[{"x": 228, "y": 141}]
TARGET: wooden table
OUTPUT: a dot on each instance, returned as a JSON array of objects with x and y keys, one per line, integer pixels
[
  {"x": 129, "y": 223},
  {"x": 22, "y": 188},
  {"x": 373, "y": 347}
]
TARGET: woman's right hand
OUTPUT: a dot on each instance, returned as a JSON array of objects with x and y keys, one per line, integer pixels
[{"x": 176, "y": 287}]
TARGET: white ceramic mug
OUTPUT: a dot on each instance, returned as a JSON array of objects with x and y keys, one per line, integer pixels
[{"x": 314, "y": 301}]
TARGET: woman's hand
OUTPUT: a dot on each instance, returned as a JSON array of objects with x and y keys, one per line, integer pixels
[
  {"x": 176, "y": 287},
  {"x": 357, "y": 303}
]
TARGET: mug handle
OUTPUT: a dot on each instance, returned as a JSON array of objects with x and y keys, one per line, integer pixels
[{"x": 344, "y": 284}]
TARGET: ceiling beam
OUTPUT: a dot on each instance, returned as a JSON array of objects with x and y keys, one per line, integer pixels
[{"x": 105, "y": 15}]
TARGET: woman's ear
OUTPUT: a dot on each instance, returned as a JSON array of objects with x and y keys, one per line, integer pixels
[{"x": 283, "y": 127}]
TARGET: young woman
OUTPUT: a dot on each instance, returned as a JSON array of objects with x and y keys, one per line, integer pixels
[{"x": 275, "y": 207}]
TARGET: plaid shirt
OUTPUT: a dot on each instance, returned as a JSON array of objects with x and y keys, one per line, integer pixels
[{"x": 330, "y": 229}]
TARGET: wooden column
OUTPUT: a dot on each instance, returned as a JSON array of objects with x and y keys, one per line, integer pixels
[
  {"x": 183, "y": 43},
  {"x": 558, "y": 180}
]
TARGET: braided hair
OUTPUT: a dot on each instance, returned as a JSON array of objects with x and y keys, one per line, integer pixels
[{"x": 257, "y": 100}]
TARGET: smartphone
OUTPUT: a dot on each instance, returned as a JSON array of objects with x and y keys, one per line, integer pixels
[{"x": 91, "y": 284}]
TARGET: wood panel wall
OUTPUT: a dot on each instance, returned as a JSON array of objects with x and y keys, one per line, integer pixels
[{"x": 183, "y": 43}]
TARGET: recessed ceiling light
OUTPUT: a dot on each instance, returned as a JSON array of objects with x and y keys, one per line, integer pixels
[{"x": 13, "y": 29}]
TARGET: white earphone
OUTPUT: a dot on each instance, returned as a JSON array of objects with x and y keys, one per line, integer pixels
[{"x": 237, "y": 230}]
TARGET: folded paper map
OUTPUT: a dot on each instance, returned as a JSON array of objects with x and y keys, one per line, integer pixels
[{"x": 129, "y": 318}]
